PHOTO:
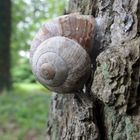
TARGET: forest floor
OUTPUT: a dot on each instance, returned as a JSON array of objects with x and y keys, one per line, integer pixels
[{"x": 23, "y": 112}]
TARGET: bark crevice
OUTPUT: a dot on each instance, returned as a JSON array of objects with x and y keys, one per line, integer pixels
[{"x": 112, "y": 110}]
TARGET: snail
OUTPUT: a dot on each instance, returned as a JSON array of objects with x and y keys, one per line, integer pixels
[{"x": 59, "y": 53}]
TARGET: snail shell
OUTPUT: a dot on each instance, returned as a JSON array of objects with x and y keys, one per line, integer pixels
[
  {"x": 58, "y": 55},
  {"x": 61, "y": 64},
  {"x": 74, "y": 26}
]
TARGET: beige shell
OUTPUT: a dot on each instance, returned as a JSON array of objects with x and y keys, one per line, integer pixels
[
  {"x": 58, "y": 53},
  {"x": 61, "y": 64},
  {"x": 74, "y": 26}
]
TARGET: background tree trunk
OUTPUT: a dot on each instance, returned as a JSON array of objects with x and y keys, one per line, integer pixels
[
  {"x": 5, "y": 33},
  {"x": 109, "y": 109}
]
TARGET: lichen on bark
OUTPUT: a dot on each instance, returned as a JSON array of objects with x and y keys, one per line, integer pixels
[
  {"x": 111, "y": 111},
  {"x": 116, "y": 78},
  {"x": 72, "y": 118}
]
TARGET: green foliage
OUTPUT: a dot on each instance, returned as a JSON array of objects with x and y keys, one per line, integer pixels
[
  {"x": 27, "y": 17},
  {"x": 22, "y": 72},
  {"x": 23, "y": 114},
  {"x": 29, "y": 88}
]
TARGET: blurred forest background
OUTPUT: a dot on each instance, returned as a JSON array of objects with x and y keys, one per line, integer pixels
[{"x": 23, "y": 102}]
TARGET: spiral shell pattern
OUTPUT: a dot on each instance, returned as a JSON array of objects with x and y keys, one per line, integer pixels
[
  {"x": 61, "y": 64},
  {"x": 74, "y": 26}
]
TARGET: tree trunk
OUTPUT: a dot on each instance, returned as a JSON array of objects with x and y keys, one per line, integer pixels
[
  {"x": 5, "y": 33},
  {"x": 110, "y": 108}
]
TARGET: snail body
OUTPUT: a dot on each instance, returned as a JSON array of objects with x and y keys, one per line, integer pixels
[{"x": 59, "y": 53}]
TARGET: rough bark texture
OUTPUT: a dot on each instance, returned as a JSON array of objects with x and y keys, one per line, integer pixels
[{"x": 110, "y": 108}]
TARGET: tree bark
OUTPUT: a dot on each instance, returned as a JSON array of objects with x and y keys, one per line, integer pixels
[
  {"x": 110, "y": 108},
  {"x": 5, "y": 33}
]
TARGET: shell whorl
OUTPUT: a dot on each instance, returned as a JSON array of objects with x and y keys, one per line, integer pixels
[
  {"x": 47, "y": 71},
  {"x": 74, "y": 26},
  {"x": 61, "y": 64},
  {"x": 59, "y": 52}
]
